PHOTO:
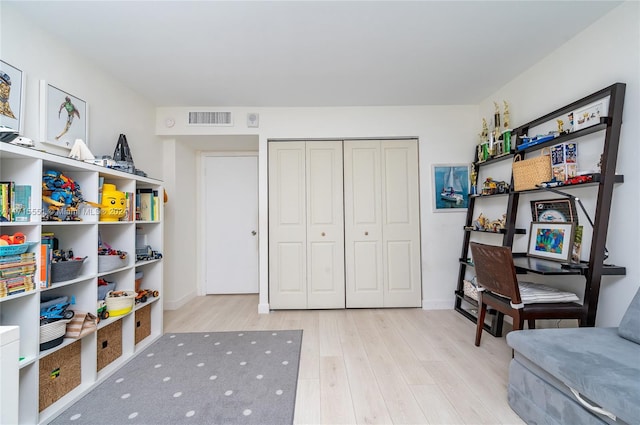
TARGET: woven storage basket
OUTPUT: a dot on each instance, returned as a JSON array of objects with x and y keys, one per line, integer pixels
[
  {"x": 60, "y": 372},
  {"x": 528, "y": 173},
  {"x": 52, "y": 331},
  {"x": 109, "y": 344},
  {"x": 143, "y": 323},
  {"x": 120, "y": 302},
  {"x": 106, "y": 263},
  {"x": 66, "y": 270}
]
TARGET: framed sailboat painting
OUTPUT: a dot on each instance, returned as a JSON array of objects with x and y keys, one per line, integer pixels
[{"x": 450, "y": 187}]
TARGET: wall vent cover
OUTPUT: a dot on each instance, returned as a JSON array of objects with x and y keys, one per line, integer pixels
[{"x": 210, "y": 118}]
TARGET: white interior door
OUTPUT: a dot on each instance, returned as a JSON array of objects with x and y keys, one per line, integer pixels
[
  {"x": 401, "y": 223},
  {"x": 363, "y": 224},
  {"x": 287, "y": 225},
  {"x": 325, "y": 225},
  {"x": 231, "y": 224}
]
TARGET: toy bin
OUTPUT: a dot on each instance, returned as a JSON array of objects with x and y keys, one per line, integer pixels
[
  {"x": 66, "y": 270},
  {"x": 120, "y": 302},
  {"x": 60, "y": 372},
  {"x": 52, "y": 334},
  {"x": 109, "y": 344},
  {"x": 143, "y": 323},
  {"x": 106, "y": 263}
]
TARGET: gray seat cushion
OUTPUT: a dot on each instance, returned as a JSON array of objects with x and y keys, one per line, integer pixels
[
  {"x": 630, "y": 324},
  {"x": 594, "y": 361}
]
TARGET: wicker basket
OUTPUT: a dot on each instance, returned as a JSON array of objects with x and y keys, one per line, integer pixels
[
  {"x": 106, "y": 263},
  {"x": 528, "y": 173},
  {"x": 120, "y": 302},
  {"x": 66, "y": 270},
  {"x": 60, "y": 372}
]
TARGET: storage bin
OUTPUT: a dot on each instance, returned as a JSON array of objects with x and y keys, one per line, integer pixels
[
  {"x": 60, "y": 372},
  {"x": 66, "y": 270},
  {"x": 120, "y": 302},
  {"x": 109, "y": 344},
  {"x": 106, "y": 263},
  {"x": 143, "y": 323},
  {"x": 52, "y": 334}
]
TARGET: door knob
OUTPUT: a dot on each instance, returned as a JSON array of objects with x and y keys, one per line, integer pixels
[
  {"x": 322, "y": 234},
  {"x": 366, "y": 233},
  {"x": 253, "y": 232}
]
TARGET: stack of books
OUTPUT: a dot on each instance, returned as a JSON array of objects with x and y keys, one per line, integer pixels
[
  {"x": 147, "y": 205},
  {"x": 15, "y": 202},
  {"x": 16, "y": 273}
]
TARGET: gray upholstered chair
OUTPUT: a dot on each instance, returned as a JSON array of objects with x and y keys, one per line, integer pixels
[{"x": 498, "y": 288}]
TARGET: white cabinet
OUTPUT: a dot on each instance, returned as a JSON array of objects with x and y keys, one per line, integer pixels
[
  {"x": 335, "y": 243},
  {"x": 25, "y": 167},
  {"x": 382, "y": 223},
  {"x": 306, "y": 235}
]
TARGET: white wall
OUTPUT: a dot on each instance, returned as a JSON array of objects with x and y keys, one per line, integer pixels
[
  {"x": 605, "y": 53},
  {"x": 113, "y": 108},
  {"x": 181, "y": 233},
  {"x": 445, "y": 133}
]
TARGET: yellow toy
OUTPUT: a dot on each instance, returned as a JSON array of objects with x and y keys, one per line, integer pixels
[{"x": 113, "y": 203}]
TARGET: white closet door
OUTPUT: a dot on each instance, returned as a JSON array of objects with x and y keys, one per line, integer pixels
[
  {"x": 325, "y": 225},
  {"x": 287, "y": 225},
  {"x": 363, "y": 224},
  {"x": 401, "y": 224}
]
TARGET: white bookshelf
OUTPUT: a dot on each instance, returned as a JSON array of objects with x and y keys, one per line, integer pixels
[{"x": 26, "y": 166}]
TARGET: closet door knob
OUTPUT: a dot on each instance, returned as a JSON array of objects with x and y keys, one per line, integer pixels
[
  {"x": 322, "y": 234},
  {"x": 366, "y": 233}
]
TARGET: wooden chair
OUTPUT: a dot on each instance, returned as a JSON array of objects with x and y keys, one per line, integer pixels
[{"x": 498, "y": 288}]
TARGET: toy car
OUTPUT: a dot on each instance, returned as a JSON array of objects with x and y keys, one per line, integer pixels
[
  {"x": 55, "y": 312},
  {"x": 144, "y": 294},
  {"x": 102, "y": 312},
  {"x": 146, "y": 253},
  {"x": 579, "y": 179}
]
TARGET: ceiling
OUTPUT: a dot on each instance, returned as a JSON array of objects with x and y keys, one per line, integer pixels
[{"x": 313, "y": 53}]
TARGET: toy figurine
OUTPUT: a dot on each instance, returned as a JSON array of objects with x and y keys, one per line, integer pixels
[
  {"x": 474, "y": 181},
  {"x": 480, "y": 222},
  {"x": 113, "y": 203},
  {"x": 62, "y": 193},
  {"x": 560, "y": 126}
]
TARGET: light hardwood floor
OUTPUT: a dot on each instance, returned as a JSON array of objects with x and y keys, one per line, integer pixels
[{"x": 375, "y": 366}]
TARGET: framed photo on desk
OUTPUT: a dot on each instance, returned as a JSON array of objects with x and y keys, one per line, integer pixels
[{"x": 551, "y": 240}]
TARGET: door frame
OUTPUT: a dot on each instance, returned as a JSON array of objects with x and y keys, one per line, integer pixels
[{"x": 202, "y": 258}]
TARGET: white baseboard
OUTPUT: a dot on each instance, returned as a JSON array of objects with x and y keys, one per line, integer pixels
[
  {"x": 263, "y": 308},
  {"x": 437, "y": 304},
  {"x": 174, "y": 305}
]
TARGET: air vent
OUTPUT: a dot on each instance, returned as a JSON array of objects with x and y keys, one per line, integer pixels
[{"x": 210, "y": 118}]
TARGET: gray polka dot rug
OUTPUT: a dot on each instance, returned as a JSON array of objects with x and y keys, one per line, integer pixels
[{"x": 199, "y": 378}]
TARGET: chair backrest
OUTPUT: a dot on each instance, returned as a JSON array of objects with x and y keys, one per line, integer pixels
[{"x": 495, "y": 270}]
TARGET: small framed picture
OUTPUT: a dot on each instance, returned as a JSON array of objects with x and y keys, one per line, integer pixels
[
  {"x": 551, "y": 240},
  {"x": 554, "y": 210},
  {"x": 63, "y": 117},
  {"x": 590, "y": 115},
  {"x": 450, "y": 187},
  {"x": 11, "y": 96}
]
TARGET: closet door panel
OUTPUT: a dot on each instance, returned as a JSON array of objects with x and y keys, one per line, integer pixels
[
  {"x": 363, "y": 224},
  {"x": 325, "y": 225},
  {"x": 401, "y": 224},
  {"x": 287, "y": 225}
]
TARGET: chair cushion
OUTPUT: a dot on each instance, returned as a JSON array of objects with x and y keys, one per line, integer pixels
[
  {"x": 630, "y": 324},
  {"x": 531, "y": 293}
]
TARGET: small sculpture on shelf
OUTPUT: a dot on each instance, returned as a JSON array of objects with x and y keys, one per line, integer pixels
[
  {"x": 474, "y": 180},
  {"x": 480, "y": 222},
  {"x": 506, "y": 133},
  {"x": 489, "y": 187},
  {"x": 64, "y": 197},
  {"x": 497, "y": 225}
]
